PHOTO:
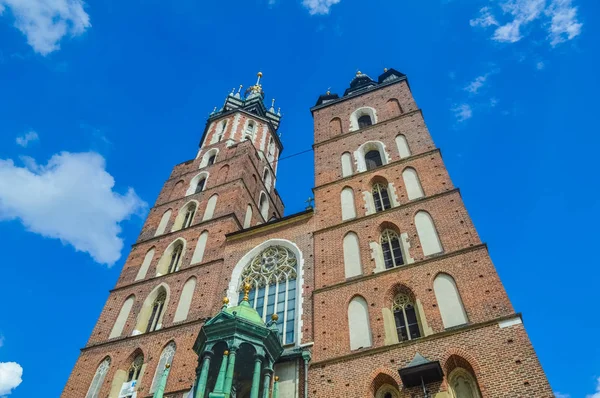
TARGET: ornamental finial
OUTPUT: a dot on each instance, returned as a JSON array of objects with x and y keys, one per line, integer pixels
[
  {"x": 385, "y": 70},
  {"x": 225, "y": 301},
  {"x": 259, "y": 75},
  {"x": 358, "y": 73},
  {"x": 275, "y": 317},
  {"x": 247, "y": 288},
  {"x": 167, "y": 366},
  {"x": 226, "y": 353},
  {"x": 276, "y": 378},
  {"x": 240, "y": 89}
]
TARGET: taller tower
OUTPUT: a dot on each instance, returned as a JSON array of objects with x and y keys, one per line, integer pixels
[
  {"x": 175, "y": 276},
  {"x": 383, "y": 290}
]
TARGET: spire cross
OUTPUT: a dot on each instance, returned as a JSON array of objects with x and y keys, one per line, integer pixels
[{"x": 309, "y": 203}]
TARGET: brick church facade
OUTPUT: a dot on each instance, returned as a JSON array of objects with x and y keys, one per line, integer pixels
[{"x": 383, "y": 289}]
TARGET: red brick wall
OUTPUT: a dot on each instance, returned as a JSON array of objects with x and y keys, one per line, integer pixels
[{"x": 502, "y": 359}]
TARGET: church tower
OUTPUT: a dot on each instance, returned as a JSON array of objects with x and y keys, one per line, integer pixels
[
  {"x": 398, "y": 258},
  {"x": 382, "y": 290}
]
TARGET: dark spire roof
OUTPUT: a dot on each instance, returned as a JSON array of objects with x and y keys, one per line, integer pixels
[{"x": 363, "y": 83}]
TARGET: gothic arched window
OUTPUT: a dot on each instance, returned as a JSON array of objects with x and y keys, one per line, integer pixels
[
  {"x": 392, "y": 250},
  {"x": 364, "y": 121},
  {"x": 250, "y": 128},
  {"x": 405, "y": 315},
  {"x": 175, "y": 257},
  {"x": 157, "y": 309},
  {"x": 96, "y": 384},
  {"x": 221, "y": 132},
  {"x": 463, "y": 384},
  {"x": 200, "y": 186},
  {"x": 166, "y": 357},
  {"x": 211, "y": 160},
  {"x": 136, "y": 368},
  {"x": 381, "y": 197},
  {"x": 373, "y": 159},
  {"x": 189, "y": 215},
  {"x": 272, "y": 276}
]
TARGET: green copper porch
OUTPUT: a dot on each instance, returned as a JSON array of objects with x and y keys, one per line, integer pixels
[{"x": 237, "y": 352}]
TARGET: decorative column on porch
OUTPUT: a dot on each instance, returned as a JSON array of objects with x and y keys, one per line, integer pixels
[{"x": 202, "y": 375}]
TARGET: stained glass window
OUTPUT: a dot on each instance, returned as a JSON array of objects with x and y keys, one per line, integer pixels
[{"x": 272, "y": 276}]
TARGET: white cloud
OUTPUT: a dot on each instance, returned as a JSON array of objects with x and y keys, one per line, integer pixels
[
  {"x": 597, "y": 393},
  {"x": 10, "y": 377},
  {"x": 25, "y": 139},
  {"x": 560, "y": 16},
  {"x": 462, "y": 112},
  {"x": 72, "y": 199},
  {"x": 319, "y": 7},
  {"x": 559, "y": 395},
  {"x": 46, "y": 22},
  {"x": 476, "y": 84},
  {"x": 485, "y": 19},
  {"x": 564, "y": 25},
  {"x": 540, "y": 65},
  {"x": 1, "y": 341}
]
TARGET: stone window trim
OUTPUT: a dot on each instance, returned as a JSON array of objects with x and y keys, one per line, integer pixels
[
  {"x": 380, "y": 168},
  {"x": 165, "y": 263},
  {"x": 186, "y": 215},
  {"x": 362, "y": 151},
  {"x": 347, "y": 223},
  {"x": 192, "y": 188},
  {"x": 360, "y": 112},
  {"x": 403, "y": 305},
  {"x": 147, "y": 319},
  {"x": 362, "y": 278},
  {"x": 381, "y": 197},
  {"x": 207, "y": 155},
  {"x": 344, "y": 135}
]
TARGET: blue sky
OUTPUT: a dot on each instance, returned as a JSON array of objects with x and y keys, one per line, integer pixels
[{"x": 99, "y": 100}]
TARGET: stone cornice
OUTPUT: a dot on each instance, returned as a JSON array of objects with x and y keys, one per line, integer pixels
[
  {"x": 377, "y": 350},
  {"x": 388, "y": 211},
  {"x": 363, "y": 278},
  {"x": 385, "y": 166},
  {"x": 371, "y": 127}
]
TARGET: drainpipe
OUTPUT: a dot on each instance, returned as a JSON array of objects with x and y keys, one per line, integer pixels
[{"x": 306, "y": 357}]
